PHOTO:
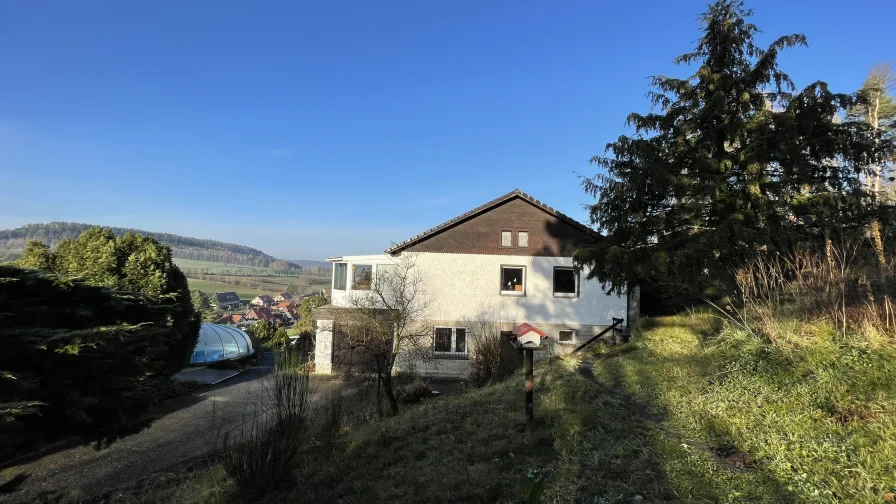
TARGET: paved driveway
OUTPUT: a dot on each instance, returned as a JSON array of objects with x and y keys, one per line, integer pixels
[{"x": 183, "y": 432}]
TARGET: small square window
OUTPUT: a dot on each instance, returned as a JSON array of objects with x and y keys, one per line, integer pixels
[
  {"x": 566, "y": 282},
  {"x": 522, "y": 239},
  {"x": 513, "y": 280},
  {"x": 506, "y": 238},
  {"x": 566, "y": 336}
]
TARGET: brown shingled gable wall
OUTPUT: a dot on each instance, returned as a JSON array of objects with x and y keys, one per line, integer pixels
[{"x": 548, "y": 235}]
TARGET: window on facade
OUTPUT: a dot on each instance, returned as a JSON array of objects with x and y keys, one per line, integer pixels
[
  {"x": 513, "y": 280},
  {"x": 339, "y": 276},
  {"x": 443, "y": 339},
  {"x": 567, "y": 336},
  {"x": 566, "y": 282},
  {"x": 383, "y": 270},
  {"x": 522, "y": 239},
  {"x": 506, "y": 238},
  {"x": 362, "y": 276},
  {"x": 460, "y": 340},
  {"x": 450, "y": 340}
]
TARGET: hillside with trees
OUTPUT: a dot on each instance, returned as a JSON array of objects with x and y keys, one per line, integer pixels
[{"x": 13, "y": 241}]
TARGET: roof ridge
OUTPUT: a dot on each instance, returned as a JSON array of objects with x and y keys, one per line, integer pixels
[{"x": 516, "y": 192}]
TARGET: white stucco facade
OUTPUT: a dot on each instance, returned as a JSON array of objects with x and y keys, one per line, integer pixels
[{"x": 465, "y": 288}]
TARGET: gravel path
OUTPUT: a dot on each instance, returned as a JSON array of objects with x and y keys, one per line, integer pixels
[{"x": 183, "y": 432}]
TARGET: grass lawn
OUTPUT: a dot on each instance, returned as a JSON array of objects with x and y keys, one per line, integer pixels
[{"x": 689, "y": 411}]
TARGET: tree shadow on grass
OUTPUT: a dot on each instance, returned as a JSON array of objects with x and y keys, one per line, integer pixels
[
  {"x": 602, "y": 451},
  {"x": 709, "y": 466}
]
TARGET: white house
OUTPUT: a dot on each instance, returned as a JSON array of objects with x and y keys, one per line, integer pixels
[{"x": 508, "y": 262}]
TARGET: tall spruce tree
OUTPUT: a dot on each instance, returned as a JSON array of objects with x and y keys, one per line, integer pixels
[{"x": 730, "y": 162}]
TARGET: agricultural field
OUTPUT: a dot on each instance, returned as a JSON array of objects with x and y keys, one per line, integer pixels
[
  {"x": 247, "y": 281},
  {"x": 211, "y": 287},
  {"x": 212, "y": 267}
]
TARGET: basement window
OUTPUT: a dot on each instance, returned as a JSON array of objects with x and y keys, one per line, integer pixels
[
  {"x": 450, "y": 342},
  {"x": 513, "y": 280},
  {"x": 566, "y": 336}
]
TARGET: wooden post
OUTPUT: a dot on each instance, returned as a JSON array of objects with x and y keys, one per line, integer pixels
[{"x": 530, "y": 383}]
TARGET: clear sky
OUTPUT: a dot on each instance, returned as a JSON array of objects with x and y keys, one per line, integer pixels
[{"x": 320, "y": 128}]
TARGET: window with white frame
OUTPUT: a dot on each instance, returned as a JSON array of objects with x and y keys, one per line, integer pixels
[
  {"x": 362, "y": 276},
  {"x": 506, "y": 238},
  {"x": 513, "y": 280},
  {"x": 450, "y": 341},
  {"x": 566, "y": 336},
  {"x": 340, "y": 275},
  {"x": 566, "y": 282},
  {"x": 522, "y": 239}
]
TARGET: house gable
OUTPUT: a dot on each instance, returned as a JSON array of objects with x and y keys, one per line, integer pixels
[{"x": 550, "y": 233}]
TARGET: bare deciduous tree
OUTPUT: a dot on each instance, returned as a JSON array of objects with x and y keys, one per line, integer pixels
[
  {"x": 491, "y": 355},
  {"x": 383, "y": 324},
  {"x": 878, "y": 109}
]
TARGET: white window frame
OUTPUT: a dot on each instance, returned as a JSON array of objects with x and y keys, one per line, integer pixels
[
  {"x": 346, "y": 285},
  {"x": 509, "y": 239},
  {"x": 519, "y": 242},
  {"x": 453, "y": 341},
  {"x": 351, "y": 275},
  {"x": 573, "y": 341},
  {"x": 565, "y": 294},
  {"x": 501, "y": 280}
]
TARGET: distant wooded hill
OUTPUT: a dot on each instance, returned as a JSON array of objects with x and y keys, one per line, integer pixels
[{"x": 182, "y": 247}]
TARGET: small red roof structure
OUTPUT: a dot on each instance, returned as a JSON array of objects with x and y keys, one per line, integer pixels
[{"x": 525, "y": 328}]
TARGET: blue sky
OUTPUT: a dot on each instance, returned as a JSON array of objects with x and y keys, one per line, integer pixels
[{"x": 310, "y": 129}]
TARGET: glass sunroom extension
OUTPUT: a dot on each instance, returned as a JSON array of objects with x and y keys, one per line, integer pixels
[{"x": 219, "y": 342}]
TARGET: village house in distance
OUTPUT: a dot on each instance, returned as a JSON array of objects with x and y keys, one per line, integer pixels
[{"x": 508, "y": 261}]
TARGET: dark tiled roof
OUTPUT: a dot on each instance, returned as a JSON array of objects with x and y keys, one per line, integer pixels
[
  {"x": 227, "y": 297},
  {"x": 516, "y": 193}
]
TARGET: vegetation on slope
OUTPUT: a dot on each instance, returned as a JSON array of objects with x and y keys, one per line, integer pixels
[
  {"x": 181, "y": 246},
  {"x": 131, "y": 263},
  {"x": 78, "y": 359},
  {"x": 693, "y": 409}
]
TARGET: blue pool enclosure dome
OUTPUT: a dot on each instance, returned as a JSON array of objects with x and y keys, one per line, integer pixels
[{"x": 219, "y": 343}]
